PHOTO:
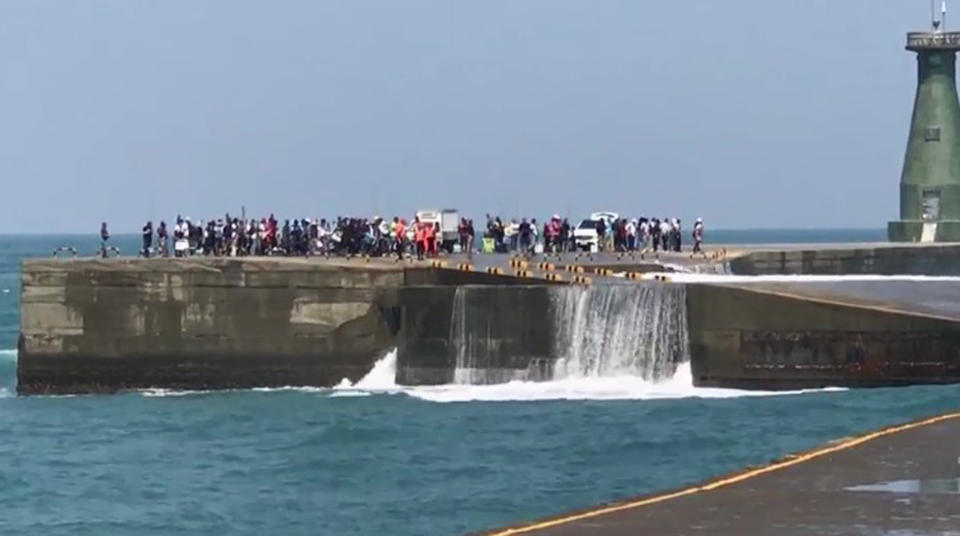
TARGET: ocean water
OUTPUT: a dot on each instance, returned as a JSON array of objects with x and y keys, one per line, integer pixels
[{"x": 377, "y": 458}]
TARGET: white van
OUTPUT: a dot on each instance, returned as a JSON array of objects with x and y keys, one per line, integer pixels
[{"x": 585, "y": 235}]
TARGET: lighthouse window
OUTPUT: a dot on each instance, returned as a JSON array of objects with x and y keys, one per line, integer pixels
[{"x": 932, "y": 134}]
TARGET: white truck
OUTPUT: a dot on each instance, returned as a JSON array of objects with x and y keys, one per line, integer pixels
[{"x": 449, "y": 220}]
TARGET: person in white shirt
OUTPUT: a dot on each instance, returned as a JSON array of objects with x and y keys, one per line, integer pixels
[
  {"x": 665, "y": 230},
  {"x": 631, "y": 235},
  {"x": 698, "y": 236},
  {"x": 644, "y": 234}
]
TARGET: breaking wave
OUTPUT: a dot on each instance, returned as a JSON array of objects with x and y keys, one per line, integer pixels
[
  {"x": 381, "y": 380},
  {"x": 623, "y": 387},
  {"x": 592, "y": 388}
]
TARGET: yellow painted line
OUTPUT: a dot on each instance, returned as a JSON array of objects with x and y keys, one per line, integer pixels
[{"x": 797, "y": 459}]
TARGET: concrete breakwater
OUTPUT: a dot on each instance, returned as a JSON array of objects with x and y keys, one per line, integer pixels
[
  {"x": 779, "y": 337},
  {"x": 89, "y": 326},
  {"x": 101, "y": 326}
]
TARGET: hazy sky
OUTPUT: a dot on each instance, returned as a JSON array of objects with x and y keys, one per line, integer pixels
[{"x": 789, "y": 113}]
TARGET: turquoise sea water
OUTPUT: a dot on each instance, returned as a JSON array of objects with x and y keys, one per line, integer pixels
[{"x": 312, "y": 461}]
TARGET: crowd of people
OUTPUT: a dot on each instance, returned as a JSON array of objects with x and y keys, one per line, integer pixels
[
  {"x": 346, "y": 237},
  {"x": 619, "y": 235},
  {"x": 377, "y": 237}
]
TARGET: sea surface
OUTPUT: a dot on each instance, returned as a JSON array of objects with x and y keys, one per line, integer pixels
[{"x": 376, "y": 458}]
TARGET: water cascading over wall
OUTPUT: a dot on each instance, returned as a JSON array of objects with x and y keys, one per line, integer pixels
[
  {"x": 636, "y": 329},
  {"x": 496, "y": 333},
  {"x": 620, "y": 330},
  {"x": 470, "y": 336}
]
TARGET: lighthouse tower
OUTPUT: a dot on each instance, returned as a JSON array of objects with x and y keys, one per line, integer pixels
[{"x": 930, "y": 183}]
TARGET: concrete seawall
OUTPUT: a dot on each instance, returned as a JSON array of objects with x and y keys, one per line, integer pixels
[
  {"x": 939, "y": 259},
  {"x": 90, "y": 326},
  {"x": 758, "y": 339}
]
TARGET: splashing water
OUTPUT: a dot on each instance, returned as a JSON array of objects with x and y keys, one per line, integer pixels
[
  {"x": 463, "y": 334},
  {"x": 592, "y": 388},
  {"x": 381, "y": 380},
  {"x": 632, "y": 330},
  {"x": 382, "y": 377},
  {"x": 635, "y": 330}
]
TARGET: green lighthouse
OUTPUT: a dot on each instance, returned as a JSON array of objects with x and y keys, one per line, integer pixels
[{"x": 930, "y": 183}]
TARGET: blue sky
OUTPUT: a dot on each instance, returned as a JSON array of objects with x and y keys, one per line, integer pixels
[{"x": 748, "y": 113}]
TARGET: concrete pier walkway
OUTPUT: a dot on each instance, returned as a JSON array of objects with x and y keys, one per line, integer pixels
[{"x": 903, "y": 480}]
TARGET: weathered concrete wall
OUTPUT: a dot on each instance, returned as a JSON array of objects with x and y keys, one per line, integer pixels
[
  {"x": 501, "y": 329},
  {"x": 760, "y": 340},
  {"x": 91, "y": 325},
  {"x": 882, "y": 260},
  {"x": 94, "y": 326}
]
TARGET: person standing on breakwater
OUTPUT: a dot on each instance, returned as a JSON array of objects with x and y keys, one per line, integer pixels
[
  {"x": 655, "y": 234},
  {"x": 104, "y": 236},
  {"x": 419, "y": 237},
  {"x": 162, "y": 237},
  {"x": 525, "y": 235},
  {"x": 147, "y": 240},
  {"x": 464, "y": 235},
  {"x": 677, "y": 236},
  {"x": 432, "y": 232},
  {"x": 601, "y": 235},
  {"x": 698, "y": 236},
  {"x": 534, "y": 236},
  {"x": 399, "y": 236},
  {"x": 666, "y": 232}
]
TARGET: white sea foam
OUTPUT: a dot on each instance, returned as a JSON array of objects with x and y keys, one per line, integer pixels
[
  {"x": 382, "y": 380},
  {"x": 8, "y": 355},
  {"x": 163, "y": 393},
  {"x": 349, "y": 394},
  {"x": 591, "y": 388},
  {"x": 286, "y": 388}
]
